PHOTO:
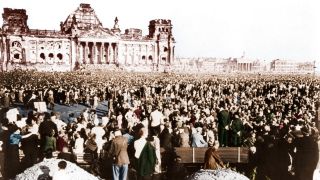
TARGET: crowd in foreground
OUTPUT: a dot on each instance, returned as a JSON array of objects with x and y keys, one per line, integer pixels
[{"x": 274, "y": 116}]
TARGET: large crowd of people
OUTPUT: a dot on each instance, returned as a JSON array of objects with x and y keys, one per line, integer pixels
[{"x": 274, "y": 116}]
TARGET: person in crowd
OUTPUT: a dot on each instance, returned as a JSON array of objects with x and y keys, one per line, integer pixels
[
  {"x": 66, "y": 155},
  {"x": 91, "y": 146},
  {"x": 119, "y": 154},
  {"x": 197, "y": 139},
  {"x": 29, "y": 147},
  {"x": 184, "y": 137},
  {"x": 156, "y": 119},
  {"x": 61, "y": 173},
  {"x": 62, "y": 140},
  {"x": 50, "y": 100},
  {"x": 177, "y": 169},
  {"x": 223, "y": 126},
  {"x": 237, "y": 129},
  {"x": 13, "y": 161},
  {"x": 166, "y": 138},
  {"x": 155, "y": 142},
  {"x": 269, "y": 107},
  {"x": 307, "y": 155},
  {"x": 46, "y": 173},
  {"x": 145, "y": 156},
  {"x": 78, "y": 145},
  {"x": 50, "y": 144},
  {"x": 212, "y": 159},
  {"x": 46, "y": 129}
]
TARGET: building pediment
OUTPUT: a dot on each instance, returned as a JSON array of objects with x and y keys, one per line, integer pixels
[{"x": 96, "y": 33}]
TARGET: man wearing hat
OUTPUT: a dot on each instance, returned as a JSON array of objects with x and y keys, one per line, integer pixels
[
  {"x": 237, "y": 129},
  {"x": 223, "y": 126},
  {"x": 118, "y": 151}
]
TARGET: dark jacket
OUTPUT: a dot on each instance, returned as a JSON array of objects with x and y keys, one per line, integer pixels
[
  {"x": 147, "y": 160},
  {"x": 30, "y": 144},
  {"x": 46, "y": 127}
]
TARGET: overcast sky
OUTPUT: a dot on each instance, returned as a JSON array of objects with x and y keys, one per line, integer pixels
[{"x": 264, "y": 29}]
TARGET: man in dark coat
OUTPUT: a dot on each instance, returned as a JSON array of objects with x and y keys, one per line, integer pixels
[
  {"x": 45, "y": 129},
  {"x": 237, "y": 131},
  {"x": 29, "y": 146},
  {"x": 118, "y": 151},
  {"x": 307, "y": 156},
  {"x": 223, "y": 126}
]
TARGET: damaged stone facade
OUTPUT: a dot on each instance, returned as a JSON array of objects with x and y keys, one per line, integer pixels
[{"x": 82, "y": 42}]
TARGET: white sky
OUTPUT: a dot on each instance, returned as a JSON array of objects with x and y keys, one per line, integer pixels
[{"x": 264, "y": 29}]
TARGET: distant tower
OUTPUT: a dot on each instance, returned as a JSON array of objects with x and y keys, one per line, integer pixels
[
  {"x": 116, "y": 29},
  {"x": 160, "y": 27},
  {"x": 161, "y": 31},
  {"x": 15, "y": 20}
]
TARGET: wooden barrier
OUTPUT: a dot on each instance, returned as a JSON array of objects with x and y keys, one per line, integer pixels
[
  {"x": 227, "y": 154},
  {"x": 188, "y": 155},
  {"x": 84, "y": 158}
]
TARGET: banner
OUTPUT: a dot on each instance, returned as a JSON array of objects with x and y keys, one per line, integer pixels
[{"x": 40, "y": 106}]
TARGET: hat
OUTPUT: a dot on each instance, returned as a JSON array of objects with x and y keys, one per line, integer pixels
[
  {"x": 297, "y": 133},
  {"x": 305, "y": 131},
  {"x": 117, "y": 133}
]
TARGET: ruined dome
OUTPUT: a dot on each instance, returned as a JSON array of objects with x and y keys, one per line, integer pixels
[{"x": 84, "y": 18}]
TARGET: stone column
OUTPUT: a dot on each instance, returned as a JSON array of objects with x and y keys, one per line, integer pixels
[
  {"x": 6, "y": 53},
  {"x": 108, "y": 53},
  {"x": 86, "y": 52},
  {"x": 172, "y": 55},
  {"x": 102, "y": 54},
  {"x": 134, "y": 60},
  {"x": 116, "y": 46},
  {"x": 111, "y": 53},
  {"x": 155, "y": 57},
  {"x": 80, "y": 60},
  {"x": 140, "y": 57},
  {"x": 4, "y": 56},
  {"x": 147, "y": 57},
  {"x": 93, "y": 53},
  {"x": 74, "y": 48}
]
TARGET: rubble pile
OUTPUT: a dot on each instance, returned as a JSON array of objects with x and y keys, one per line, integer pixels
[
  {"x": 226, "y": 174},
  {"x": 74, "y": 171}
]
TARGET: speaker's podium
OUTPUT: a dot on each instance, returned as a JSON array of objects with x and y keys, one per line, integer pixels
[{"x": 40, "y": 106}]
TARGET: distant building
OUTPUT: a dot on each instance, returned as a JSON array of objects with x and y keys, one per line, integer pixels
[
  {"x": 290, "y": 66},
  {"x": 82, "y": 42},
  {"x": 220, "y": 65}
]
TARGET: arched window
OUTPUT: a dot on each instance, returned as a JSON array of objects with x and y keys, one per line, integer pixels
[
  {"x": 163, "y": 59},
  {"x": 51, "y": 55},
  {"x": 60, "y": 56},
  {"x": 143, "y": 57},
  {"x": 16, "y": 44},
  {"x": 150, "y": 58},
  {"x": 16, "y": 56},
  {"x": 42, "y": 56}
]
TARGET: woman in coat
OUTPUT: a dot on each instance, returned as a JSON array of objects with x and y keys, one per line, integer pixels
[{"x": 212, "y": 159}]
